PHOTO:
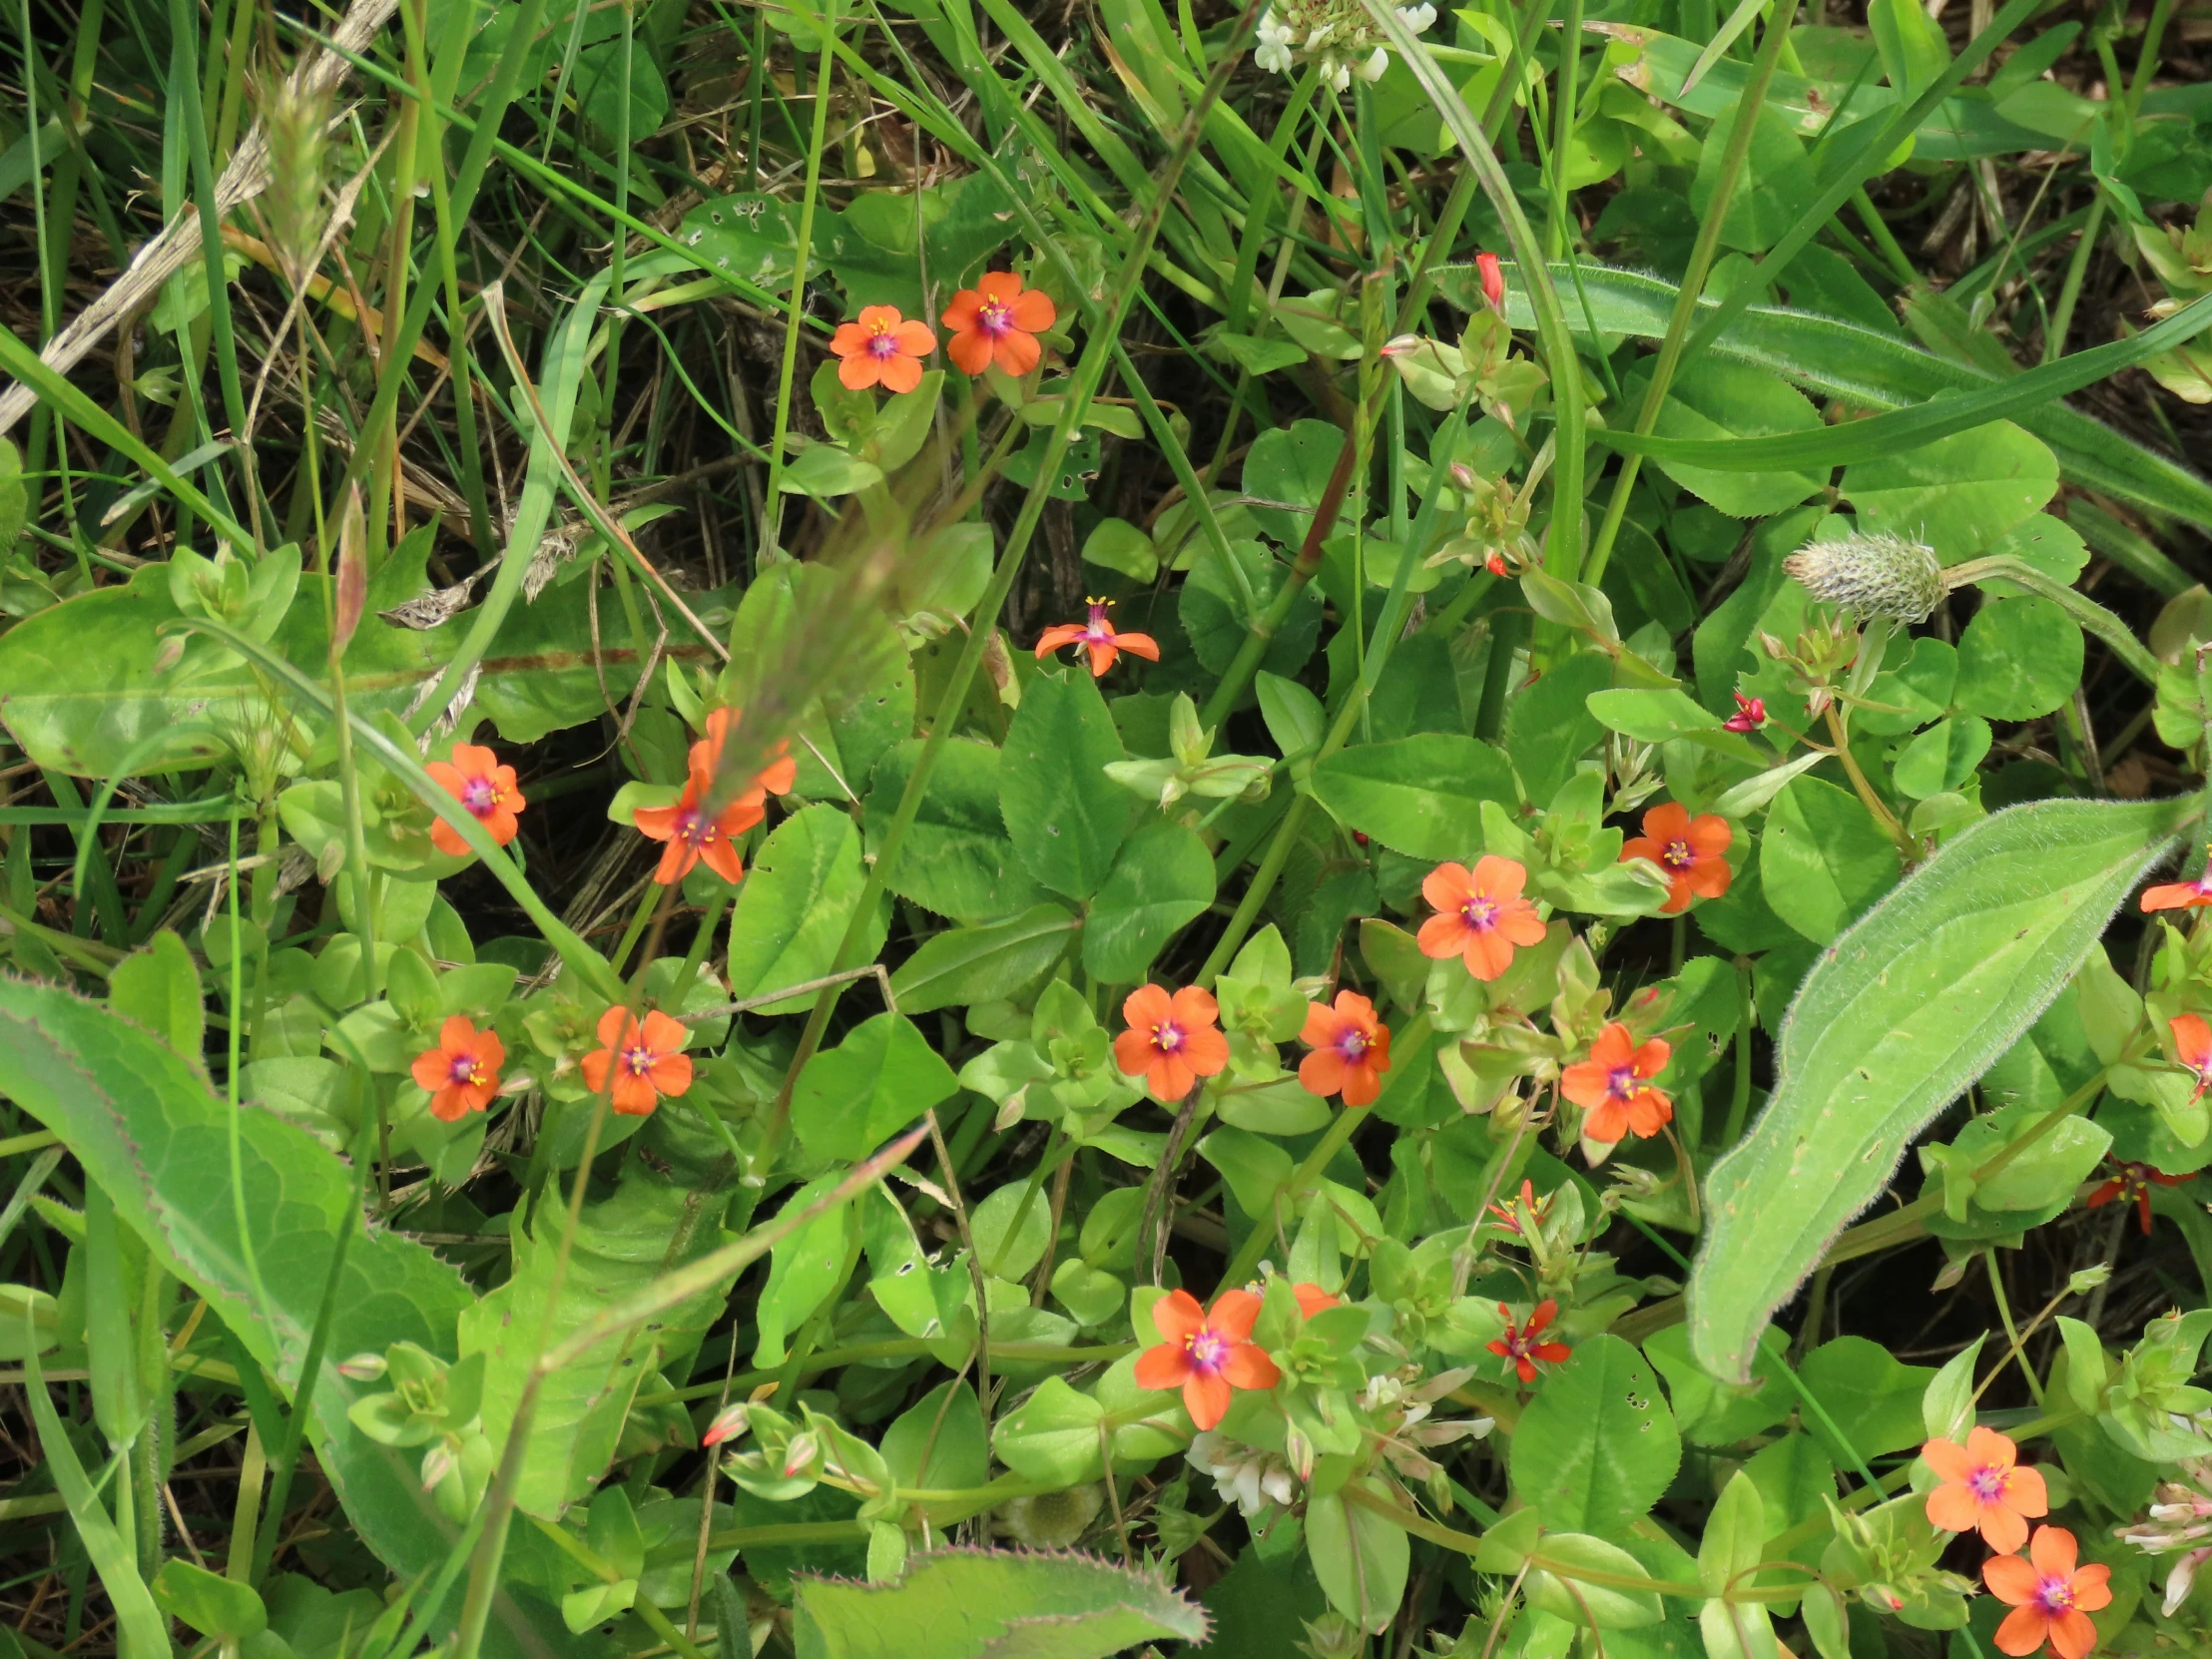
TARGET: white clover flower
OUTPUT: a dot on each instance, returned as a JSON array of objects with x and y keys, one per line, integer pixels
[
  {"x": 1418, "y": 18},
  {"x": 1275, "y": 41},
  {"x": 1250, "y": 1479},
  {"x": 1372, "y": 70}
]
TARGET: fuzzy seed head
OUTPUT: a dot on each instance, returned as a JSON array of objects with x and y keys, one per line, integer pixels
[
  {"x": 1049, "y": 1520},
  {"x": 1872, "y": 576},
  {"x": 294, "y": 206}
]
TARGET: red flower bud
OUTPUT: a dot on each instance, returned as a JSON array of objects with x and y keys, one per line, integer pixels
[
  {"x": 1493, "y": 281},
  {"x": 1749, "y": 715}
]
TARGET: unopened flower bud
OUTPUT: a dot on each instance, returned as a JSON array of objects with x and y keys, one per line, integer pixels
[
  {"x": 2088, "y": 1278},
  {"x": 438, "y": 1463},
  {"x": 1493, "y": 281},
  {"x": 799, "y": 1456},
  {"x": 729, "y": 1422},
  {"x": 1873, "y": 575},
  {"x": 362, "y": 1368},
  {"x": 1401, "y": 345}
]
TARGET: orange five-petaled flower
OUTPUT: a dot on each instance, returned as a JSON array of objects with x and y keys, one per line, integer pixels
[
  {"x": 1690, "y": 850},
  {"x": 1613, "y": 1086},
  {"x": 880, "y": 347},
  {"x": 1523, "y": 1343},
  {"x": 997, "y": 321},
  {"x": 2181, "y": 896},
  {"x": 1985, "y": 1489},
  {"x": 1172, "y": 1041},
  {"x": 1097, "y": 636},
  {"x": 486, "y": 788},
  {"x": 695, "y": 836},
  {"x": 462, "y": 1072},
  {"x": 1351, "y": 1050},
  {"x": 1480, "y": 914},
  {"x": 1206, "y": 1355},
  {"x": 646, "y": 1061},
  {"x": 2193, "y": 1048},
  {"x": 2051, "y": 1598}
]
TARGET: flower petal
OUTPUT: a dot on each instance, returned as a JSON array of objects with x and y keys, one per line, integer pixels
[
  {"x": 1234, "y": 1315},
  {"x": 1500, "y": 877},
  {"x": 2054, "y": 1551},
  {"x": 2012, "y": 1579},
  {"x": 1206, "y": 1395},
  {"x": 1178, "y": 1317},
  {"x": 1248, "y": 1367},
  {"x": 1163, "y": 1368},
  {"x": 2023, "y": 1631}
]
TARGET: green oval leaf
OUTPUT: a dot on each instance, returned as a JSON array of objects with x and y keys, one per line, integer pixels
[
  {"x": 1596, "y": 1449},
  {"x": 1421, "y": 796}
]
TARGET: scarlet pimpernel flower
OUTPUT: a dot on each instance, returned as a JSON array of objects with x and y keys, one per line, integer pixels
[
  {"x": 1097, "y": 637},
  {"x": 2181, "y": 896},
  {"x": 880, "y": 347},
  {"x": 695, "y": 836},
  {"x": 1493, "y": 275},
  {"x": 1480, "y": 914},
  {"x": 1984, "y": 1488},
  {"x": 2051, "y": 1597},
  {"x": 2193, "y": 1048},
  {"x": 998, "y": 322},
  {"x": 1524, "y": 1344},
  {"x": 1351, "y": 1050},
  {"x": 1692, "y": 851},
  {"x": 1208, "y": 1355},
  {"x": 1613, "y": 1085},
  {"x": 462, "y": 1072},
  {"x": 2131, "y": 1184},
  {"x": 644, "y": 1060},
  {"x": 475, "y": 778},
  {"x": 1172, "y": 1041}
]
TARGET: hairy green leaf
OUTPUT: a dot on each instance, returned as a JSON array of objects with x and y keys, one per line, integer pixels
[{"x": 1895, "y": 1019}]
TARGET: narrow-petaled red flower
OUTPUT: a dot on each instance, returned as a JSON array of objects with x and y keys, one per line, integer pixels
[
  {"x": 1351, "y": 1050},
  {"x": 1984, "y": 1488},
  {"x": 1690, "y": 850},
  {"x": 1749, "y": 715},
  {"x": 1493, "y": 281},
  {"x": 2131, "y": 1184},
  {"x": 462, "y": 1072},
  {"x": 2050, "y": 1596},
  {"x": 1172, "y": 1041},
  {"x": 1523, "y": 1343},
  {"x": 1509, "y": 1215},
  {"x": 1613, "y": 1086},
  {"x": 1207, "y": 1354},
  {"x": 997, "y": 321},
  {"x": 1480, "y": 914},
  {"x": 2181, "y": 896},
  {"x": 486, "y": 788},
  {"x": 1097, "y": 636},
  {"x": 880, "y": 347},
  {"x": 646, "y": 1060},
  {"x": 2193, "y": 1048}
]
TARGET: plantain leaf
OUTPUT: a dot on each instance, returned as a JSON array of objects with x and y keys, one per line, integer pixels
[
  {"x": 142, "y": 1121},
  {"x": 993, "y": 1604},
  {"x": 1906, "y": 1009}
]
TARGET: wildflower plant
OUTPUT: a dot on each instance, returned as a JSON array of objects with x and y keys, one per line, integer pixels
[{"x": 1306, "y": 827}]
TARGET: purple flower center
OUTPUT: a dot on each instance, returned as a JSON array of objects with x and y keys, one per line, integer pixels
[
  {"x": 1208, "y": 1350},
  {"x": 638, "y": 1060},
  {"x": 1098, "y": 630},
  {"x": 995, "y": 318},
  {"x": 882, "y": 345},
  {"x": 1621, "y": 1082},
  {"x": 1352, "y": 1045},
  {"x": 1167, "y": 1037},
  {"x": 1986, "y": 1483},
  {"x": 1480, "y": 913},
  {"x": 1677, "y": 855},
  {"x": 694, "y": 827},
  {"x": 461, "y": 1068},
  {"x": 479, "y": 795},
  {"x": 2057, "y": 1594}
]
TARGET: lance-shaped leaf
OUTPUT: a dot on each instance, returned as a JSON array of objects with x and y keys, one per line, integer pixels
[
  {"x": 1906, "y": 1008},
  {"x": 993, "y": 1604}
]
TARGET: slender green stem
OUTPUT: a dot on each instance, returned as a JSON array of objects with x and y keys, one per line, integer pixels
[
  {"x": 771, "y": 535},
  {"x": 1702, "y": 254}
]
